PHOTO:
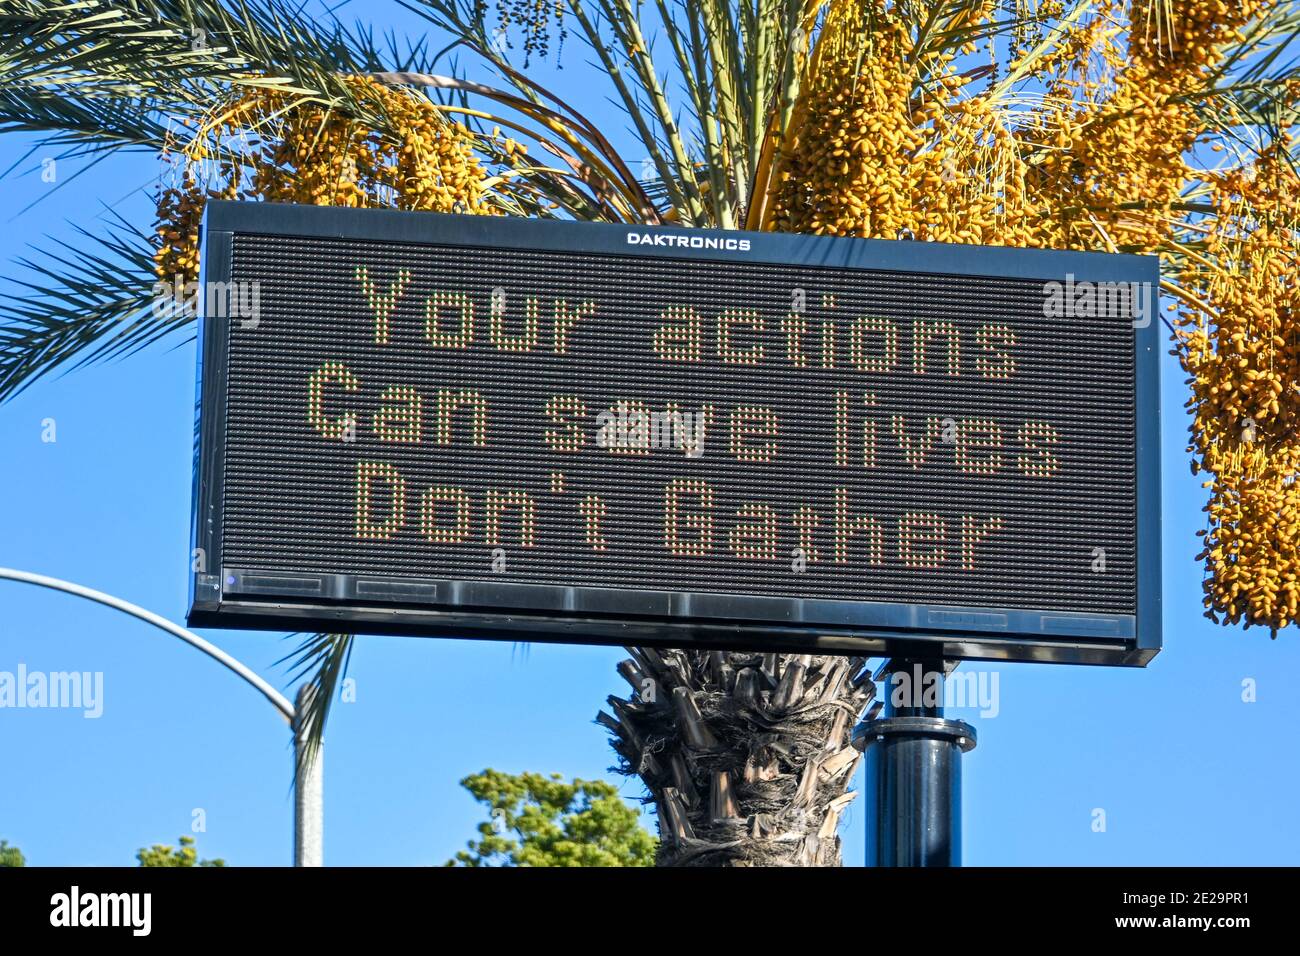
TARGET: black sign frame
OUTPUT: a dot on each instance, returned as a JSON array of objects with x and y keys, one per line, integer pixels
[{"x": 240, "y": 598}]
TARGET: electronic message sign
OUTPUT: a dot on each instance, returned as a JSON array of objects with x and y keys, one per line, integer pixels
[{"x": 480, "y": 426}]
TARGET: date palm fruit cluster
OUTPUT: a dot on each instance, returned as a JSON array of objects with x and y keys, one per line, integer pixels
[
  {"x": 1236, "y": 293},
  {"x": 268, "y": 145},
  {"x": 865, "y": 155},
  {"x": 1105, "y": 158},
  {"x": 1241, "y": 350},
  {"x": 1128, "y": 167},
  {"x": 536, "y": 18}
]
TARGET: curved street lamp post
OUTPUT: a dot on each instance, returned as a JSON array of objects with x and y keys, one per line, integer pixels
[{"x": 308, "y": 783}]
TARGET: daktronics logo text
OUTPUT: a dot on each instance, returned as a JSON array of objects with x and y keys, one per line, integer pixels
[{"x": 686, "y": 241}]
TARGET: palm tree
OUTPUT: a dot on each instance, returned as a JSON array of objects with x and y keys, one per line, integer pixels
[{"x": 1121, "y": 125}]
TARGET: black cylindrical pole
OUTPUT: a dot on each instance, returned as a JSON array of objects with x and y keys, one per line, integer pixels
[{"x": 913, "y": 771}]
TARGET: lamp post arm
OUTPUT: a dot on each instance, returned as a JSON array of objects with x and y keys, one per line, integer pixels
[{"x": 280, "y": 702}]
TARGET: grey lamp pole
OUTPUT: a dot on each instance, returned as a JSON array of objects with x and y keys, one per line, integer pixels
[
  {"x": 912, "y": 758},
  {"x": 308, "y": 819},
  {"x": 308, "y": 791}
]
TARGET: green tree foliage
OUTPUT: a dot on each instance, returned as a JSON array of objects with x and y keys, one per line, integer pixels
[
  {"x": 536, "y": 820},
  {"x": 11, "y": 855},
  {"x": 184, "y": 855}
]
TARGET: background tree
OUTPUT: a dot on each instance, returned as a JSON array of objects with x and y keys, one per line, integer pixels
[
  {"x": 538, "y": 820},
  {"x": 11, "y": 855},
  {"x": 185, "y": 855},
  {"x": 1115, "y": 125}
]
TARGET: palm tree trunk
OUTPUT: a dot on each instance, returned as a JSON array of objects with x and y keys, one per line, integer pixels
[{"x": 746, "y": 756}]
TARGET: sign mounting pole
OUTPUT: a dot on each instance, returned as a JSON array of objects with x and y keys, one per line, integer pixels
[{"x": 913, "y": 769}]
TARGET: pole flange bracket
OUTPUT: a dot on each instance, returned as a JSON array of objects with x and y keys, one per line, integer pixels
[{"x": 940, "y": 728}]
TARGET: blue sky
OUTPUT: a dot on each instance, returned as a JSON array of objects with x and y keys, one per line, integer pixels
[{"x": 1185, "y": 770}]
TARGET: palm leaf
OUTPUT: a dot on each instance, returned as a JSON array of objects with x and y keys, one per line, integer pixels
[
  {"x": 322, "y": 660},
  {"x": 84, "y": 302}
]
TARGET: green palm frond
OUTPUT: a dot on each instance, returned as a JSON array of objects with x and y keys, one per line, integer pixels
[
  {"x": 82, "y": 303},
  {"x": 730, "y": 62},
  {"x": 81, "y": 126},
  {"x": 322, "y": 659},
  {"x": 1270, "y": 103},
  {"x": 92, "y": 48},
  {"x": 163, "y": 62}
]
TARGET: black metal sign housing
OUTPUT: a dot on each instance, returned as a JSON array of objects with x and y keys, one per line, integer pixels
[{"x": 475, "y": 426}]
